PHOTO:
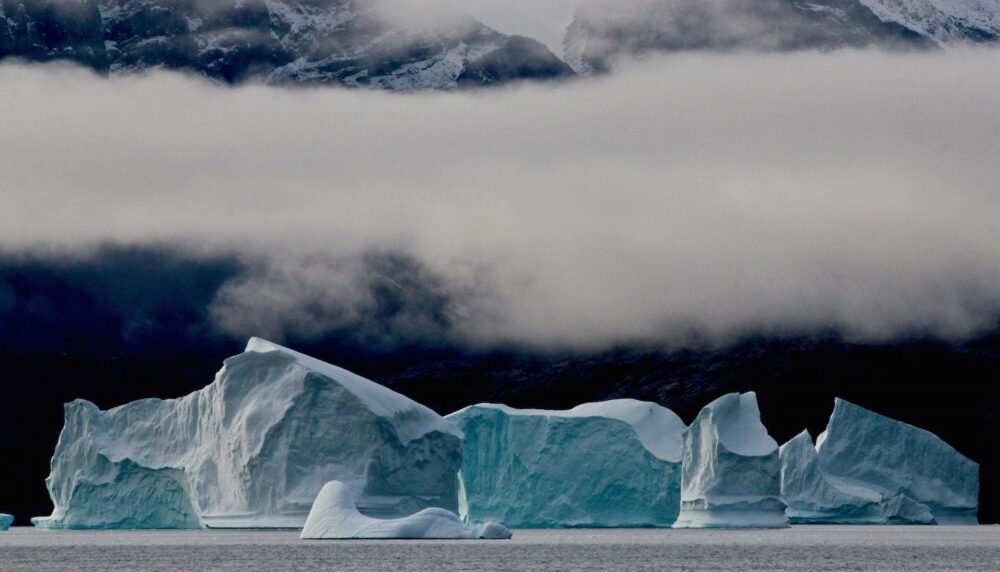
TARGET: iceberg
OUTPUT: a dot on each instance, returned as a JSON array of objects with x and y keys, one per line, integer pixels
[
  {"x": 731, "y": 470},
  {"x": 813, "y": 498},
  {"x": 609, "y": 464},
  {"x": 123, "y": 494},
  {"x": 334, "y": 515},
  {"x": 5, "y": 521},
  {"x": 861, "y": 449},
  {"x": 252, "y": 450}
]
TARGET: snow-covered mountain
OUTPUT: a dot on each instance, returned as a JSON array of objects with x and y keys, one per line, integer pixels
[
  {"x": 943, "y": 20},
  {"x": 349, "y": 42},
  {"x": 602, "y": 31},
  {"x": 412, "y": 44}
]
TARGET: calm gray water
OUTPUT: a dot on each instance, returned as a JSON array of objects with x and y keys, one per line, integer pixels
[{"x": 799, "y": 548}]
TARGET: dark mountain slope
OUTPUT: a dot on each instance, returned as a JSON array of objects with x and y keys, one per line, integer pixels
[{"x": 343, "y": 42}]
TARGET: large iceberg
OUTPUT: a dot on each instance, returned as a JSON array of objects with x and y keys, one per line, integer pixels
[
  {"x": 864, "y": 451},
  {"x": 731, "y": 471},
  {"x": 335, "y": 515},
  {"x": 252, "y": 450},
  {"x": 813, "y": 498},
  {"x": 610, "y": 464},
  {"x": 5, "y": 521}
]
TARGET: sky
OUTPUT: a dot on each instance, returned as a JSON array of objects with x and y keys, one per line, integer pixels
[{"x": 674, "y": 200}]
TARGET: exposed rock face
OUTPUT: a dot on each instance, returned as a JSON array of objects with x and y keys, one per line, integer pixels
[
  {"x": 347, "y": 42},
  {"x": 335, "y": 516},
  {"x": 609, "y": 464},
  {"x": 252, "y": 450},
  {"x": 45, "y": 30},
  {"x": 731, "y": 471}
]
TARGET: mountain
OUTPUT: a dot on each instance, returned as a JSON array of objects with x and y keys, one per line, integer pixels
[
  {"x": 604, "y": 31},
  {"x": 384, "y": 44},
  {"x": 43, "y": 30},
  {"x": 346, "y": 42},
  {"x": 943, "y": 20}
]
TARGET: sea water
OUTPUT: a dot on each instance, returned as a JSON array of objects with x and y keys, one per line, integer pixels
[{"x": 797, "y": 548}]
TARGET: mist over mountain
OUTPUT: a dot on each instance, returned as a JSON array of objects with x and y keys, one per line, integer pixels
[
  {"x": 602, "y": 32},
  {"x": 419, "y": 45},
  {"x": 594, "y": 35}
]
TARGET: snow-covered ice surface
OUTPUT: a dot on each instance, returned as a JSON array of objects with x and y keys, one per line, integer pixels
[
  {"x": 335, "y": 516},
  {"x": 731, "y": 472},
  {"x": 609, "y": 464},
  {"x": 943, "y": 20},
  {"x": 252, "y": 450},
  {"x": 813, "y": 498},
  {"x": 862, "y": 450},
  {"x": 5, "y": 521}
]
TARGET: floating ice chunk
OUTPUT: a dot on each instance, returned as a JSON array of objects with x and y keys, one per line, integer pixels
[
  {"x": 5, "y": 521},
  {"x": 731, "y": 472},
  {"x": 812, "y": 498},
  {"x": 609, "y": 464},
  {"x": 252, "y": 450},
  {"x": 334, "y": 515},
  {"x": 862, "y": 449}
]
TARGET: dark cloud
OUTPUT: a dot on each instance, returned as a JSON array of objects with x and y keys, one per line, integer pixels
[
  {"x": 380, "y": 300},
  {"x": 698, "y": 197}
]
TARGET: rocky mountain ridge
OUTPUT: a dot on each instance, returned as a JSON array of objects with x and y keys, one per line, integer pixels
[
  {"x": 346, "y": 42},
  {"x": 366, "y": 43}
]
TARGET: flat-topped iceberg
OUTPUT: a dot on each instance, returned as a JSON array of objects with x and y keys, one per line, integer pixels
[
  {"x": 813, "y": 498},
  {"x": 862, "y": 450},
  {"x": 610, "y": 464},
  {"x": 731, "y": 471},
  {"x": 252, "y": 450},
  {"x": 334, "y": 515},
  {"x": 5, "y": 521}
]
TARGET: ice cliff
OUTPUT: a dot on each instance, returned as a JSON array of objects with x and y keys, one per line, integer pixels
[
  {"x": 907, "y": 474},
  {"x": 610, "y": 464},
  {"x": 252, "y": 450},
  {"x": 5, "y": 521},
  {"x": 813, "y": 498},
  {"x": 731, "y": 471},
  {"x": 335, "y": 515}
]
